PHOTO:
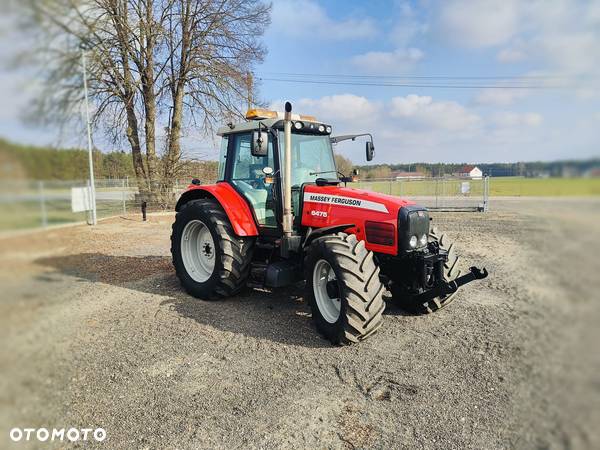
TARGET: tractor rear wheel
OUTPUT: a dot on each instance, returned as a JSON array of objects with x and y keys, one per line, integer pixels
[
  {"x": 209, "y": 259},
  {"x": 343, "y": 288}
]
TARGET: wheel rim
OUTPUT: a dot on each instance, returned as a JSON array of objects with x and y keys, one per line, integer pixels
[
  {"x": 329, "y": 306},
  {"x": 198, "y": 251}
]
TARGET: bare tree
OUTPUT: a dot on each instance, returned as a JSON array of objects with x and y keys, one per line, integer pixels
[
  {"x": 343, "y": 164},
  {"x": 153, "y": 65}
]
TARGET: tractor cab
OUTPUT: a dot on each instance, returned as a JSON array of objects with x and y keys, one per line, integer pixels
[{"x": 251, "y": 160}]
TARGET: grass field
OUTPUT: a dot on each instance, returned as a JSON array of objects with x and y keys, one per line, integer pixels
[
  {"x": 501, "y": 186},
  {"x": 544, "y": 187}
]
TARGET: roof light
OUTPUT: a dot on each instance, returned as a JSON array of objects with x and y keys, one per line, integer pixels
[
  {"x": 321, "y": 128},
  {"x": 259, "y": 113},
  {"x": 298, "y": 125},
  {"x": 328, "y": 129}
]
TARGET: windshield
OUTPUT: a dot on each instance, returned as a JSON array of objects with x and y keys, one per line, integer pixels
[{"x": 310, "y": 154}]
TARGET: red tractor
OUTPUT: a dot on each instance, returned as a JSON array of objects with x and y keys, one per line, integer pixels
[{"x": 279, "y": 215}]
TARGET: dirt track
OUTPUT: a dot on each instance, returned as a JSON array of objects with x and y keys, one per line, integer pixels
[{"x": 97, "y": 333}]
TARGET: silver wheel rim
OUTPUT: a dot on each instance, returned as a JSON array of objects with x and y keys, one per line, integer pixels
[
  {"x": 198, "y": 251},
  {"x": 328, "y": 307}
]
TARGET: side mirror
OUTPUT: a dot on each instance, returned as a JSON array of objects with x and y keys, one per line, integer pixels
[
  {"x": 356, "y": 172},
  {"x": 370, "y": 150},
  {"x": 260, "y": 143}
]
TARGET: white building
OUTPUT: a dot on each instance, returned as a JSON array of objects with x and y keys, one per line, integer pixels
[{"x": 472, "y": 172}]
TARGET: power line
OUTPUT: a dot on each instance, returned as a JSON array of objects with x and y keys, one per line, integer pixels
[
  {"x": 414, "y": 77},
  {"x": 409, "y": 85}
]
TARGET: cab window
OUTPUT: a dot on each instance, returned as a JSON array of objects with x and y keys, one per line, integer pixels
[{"x": 247, "y": 176}]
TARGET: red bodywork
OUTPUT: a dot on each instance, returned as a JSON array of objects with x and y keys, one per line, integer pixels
[
  {"x": 323, "y": 206},
  {"x": 326, "y": 206},
  {"x": 235, "y": 206}
]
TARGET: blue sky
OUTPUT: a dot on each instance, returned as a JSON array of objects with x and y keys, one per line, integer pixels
[{"x": 556, "y": 42}]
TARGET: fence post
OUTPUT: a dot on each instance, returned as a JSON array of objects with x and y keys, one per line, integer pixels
[
  {"x": 486, "y": 192},
  {"x": 123, "y": 195},
  {"x": 443, "y": 197},
  {"x": 436, "y": 191},
  {"x": 44, "y": 213},
  {"x": 390, "y": 186}
]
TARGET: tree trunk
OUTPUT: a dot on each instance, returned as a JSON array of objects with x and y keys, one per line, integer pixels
[
  {"x": 174, "y": 144},
  {"x": 147, "y": 77}
]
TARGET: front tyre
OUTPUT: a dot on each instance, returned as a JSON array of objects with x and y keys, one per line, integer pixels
[
  {"x": 343, "y": 288},
  {"x": 209, "y": 259}
]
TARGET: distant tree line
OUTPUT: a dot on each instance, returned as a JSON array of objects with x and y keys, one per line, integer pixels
[
  {"x": 19, "y": 161},
  {"x": 524, "y": 169},
  {"x": 39, "y": 163}
]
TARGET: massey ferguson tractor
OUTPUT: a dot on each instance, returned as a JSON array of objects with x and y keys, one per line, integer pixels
[{"x": 281, "y": 213}]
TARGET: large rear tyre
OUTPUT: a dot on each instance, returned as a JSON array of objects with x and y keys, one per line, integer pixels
[
  {"x": 343, "y": 288},
  {"x": 209, "y": 259}
]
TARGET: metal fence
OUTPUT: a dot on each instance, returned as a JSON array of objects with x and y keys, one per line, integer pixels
[
  {"x": 447, "y": 193},
  {"x": 34, "y": 204}
]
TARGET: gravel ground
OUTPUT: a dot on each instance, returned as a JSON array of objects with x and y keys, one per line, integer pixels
[{"x": 97, "y": 333}]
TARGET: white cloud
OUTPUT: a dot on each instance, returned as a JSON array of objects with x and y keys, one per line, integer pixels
[
  {"x": 499, "y": 97},
  {"x": 306, "y": 18},
  {"x": 422, "y": 111},
  {"x": 476, "y": 24},
  {"x": 423, "y": 128},
  {"x": 508, "y": 119},
  {"x": 396, "y": 62},
  {"x": 562, "y": 35},
  {"x": 407, "y": 26},
  {"x": 510, "y": 55},
  {"x": 344, "y": 108}
]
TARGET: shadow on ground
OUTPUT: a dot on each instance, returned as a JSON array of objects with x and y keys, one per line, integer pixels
[{"x": 280, "y": 315}]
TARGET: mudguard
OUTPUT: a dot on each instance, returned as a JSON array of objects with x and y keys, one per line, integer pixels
[{"x": 233, "y": 203}]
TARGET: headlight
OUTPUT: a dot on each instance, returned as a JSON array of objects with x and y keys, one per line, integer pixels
[
  {"x": 413, "y": 242},
  {"x": 423, "y": 240}
]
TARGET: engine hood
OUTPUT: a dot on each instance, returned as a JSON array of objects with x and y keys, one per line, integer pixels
[
  {"x": 327, "y": 206},
  {"x": 359, "y": 200}
]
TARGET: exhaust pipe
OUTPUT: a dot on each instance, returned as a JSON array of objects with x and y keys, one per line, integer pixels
[{"x": 287, "y": 171}]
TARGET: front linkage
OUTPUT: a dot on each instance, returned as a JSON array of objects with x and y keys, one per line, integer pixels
[{"x": 428, "y": 279}]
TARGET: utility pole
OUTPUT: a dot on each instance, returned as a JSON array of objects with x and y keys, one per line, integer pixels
[{"x": 89, "y": 138}]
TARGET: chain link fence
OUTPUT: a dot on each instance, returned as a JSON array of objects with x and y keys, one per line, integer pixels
[
  {"x": 35, "y": 204},
  {"x": 447, "y": 193}
]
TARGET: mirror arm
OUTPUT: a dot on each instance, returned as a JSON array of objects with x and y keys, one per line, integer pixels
[{"x": 337, "y": 139}]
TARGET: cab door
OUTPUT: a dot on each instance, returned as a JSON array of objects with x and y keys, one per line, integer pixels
[{"x": 245, "y": 173}]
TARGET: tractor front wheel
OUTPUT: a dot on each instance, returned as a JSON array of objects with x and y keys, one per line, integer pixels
[
  {"x": 343, "y": 288},
  {"x": 210, "y": 260}
]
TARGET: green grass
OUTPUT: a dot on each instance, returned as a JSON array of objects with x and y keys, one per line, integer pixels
[
  {"x": 544, "y": 187},
  {"x": 23, "y": 215},
  {"x": 501, "y": 186}
]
